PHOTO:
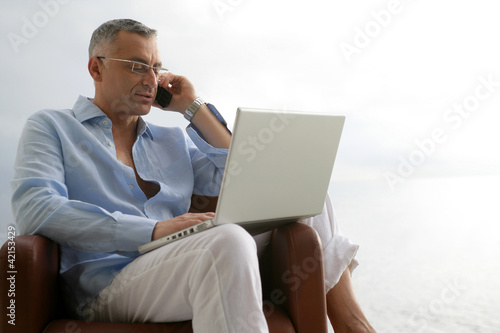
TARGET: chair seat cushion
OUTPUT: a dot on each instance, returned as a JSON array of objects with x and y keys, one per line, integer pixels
[
  {"x": 81, "y": 326},
  {"x": 277, "y": 321}
]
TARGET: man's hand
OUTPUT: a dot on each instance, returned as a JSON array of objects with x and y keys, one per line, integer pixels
[
  {"x": 182, "y": 90},
  {"x": 178, "y": 223},
  {"x": 183, "y": 94}
]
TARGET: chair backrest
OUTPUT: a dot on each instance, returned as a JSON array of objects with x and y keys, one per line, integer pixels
[{"x": 203, "y": 204}]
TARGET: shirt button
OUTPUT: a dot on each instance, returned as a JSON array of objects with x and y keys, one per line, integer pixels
[
  {"x": 147, "y": 208},
  {"x": 131, "y": 186},
  {"x": 110, "y": 144},
  {"x": 105, "y": 122}
]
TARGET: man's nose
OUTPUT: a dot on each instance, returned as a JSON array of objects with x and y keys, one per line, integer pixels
[{"x": 150, "y": 79}]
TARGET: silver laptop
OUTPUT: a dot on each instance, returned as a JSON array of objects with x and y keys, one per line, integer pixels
[{"x": 277, "y": 171}]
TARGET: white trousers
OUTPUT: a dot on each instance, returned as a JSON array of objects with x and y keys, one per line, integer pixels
[
  {"x": 211, "y": 277},
  {"x": 338, "y": 251}
]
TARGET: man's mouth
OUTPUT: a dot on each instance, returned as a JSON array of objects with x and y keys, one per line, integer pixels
[{"x": 145, "y": 96}]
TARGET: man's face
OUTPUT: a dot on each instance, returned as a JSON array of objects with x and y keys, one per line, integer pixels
[{"x": 127, "y": 93}]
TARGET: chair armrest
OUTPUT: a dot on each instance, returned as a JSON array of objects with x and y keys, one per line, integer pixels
[
  {"x": 298, "y": 276},
  {"x": 34, "y": 288}
]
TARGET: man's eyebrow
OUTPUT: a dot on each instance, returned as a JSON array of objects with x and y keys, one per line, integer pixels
[{"x": 144, "y": 61}]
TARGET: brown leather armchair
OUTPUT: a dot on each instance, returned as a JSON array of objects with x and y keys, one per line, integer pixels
[{"x": 292, "y": 278}]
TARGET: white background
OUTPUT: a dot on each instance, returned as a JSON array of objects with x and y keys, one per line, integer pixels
[{"x": 397, "y": 69}]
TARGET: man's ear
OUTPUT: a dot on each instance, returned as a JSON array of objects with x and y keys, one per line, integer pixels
[{"x": 95, "y": 67}]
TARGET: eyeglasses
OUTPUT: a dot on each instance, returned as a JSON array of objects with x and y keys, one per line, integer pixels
[{"x": 139, "y": 67}]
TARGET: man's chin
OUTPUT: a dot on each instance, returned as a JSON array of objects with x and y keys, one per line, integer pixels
[
  {"x": 143, "y": 106},
  {"x": 132, "y": 107},
  {"x": 143, "y": 110}
]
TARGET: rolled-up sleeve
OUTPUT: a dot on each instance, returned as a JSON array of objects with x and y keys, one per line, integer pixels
[{"x": 208, "y": 162}]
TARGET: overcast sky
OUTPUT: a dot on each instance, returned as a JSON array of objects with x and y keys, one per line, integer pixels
[{"x": 419, "y": 81}]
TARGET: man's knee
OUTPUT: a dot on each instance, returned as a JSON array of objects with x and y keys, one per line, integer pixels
[{"x": 233, "y": 241}]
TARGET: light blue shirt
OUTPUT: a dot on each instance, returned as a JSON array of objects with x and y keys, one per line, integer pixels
[{"x": 70, "y": 187}]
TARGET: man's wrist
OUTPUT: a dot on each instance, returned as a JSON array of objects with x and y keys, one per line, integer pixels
[{"x": 193, "y": 108}]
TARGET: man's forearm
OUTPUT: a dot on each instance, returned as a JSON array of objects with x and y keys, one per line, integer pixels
[{"x": 214, "y": 132}]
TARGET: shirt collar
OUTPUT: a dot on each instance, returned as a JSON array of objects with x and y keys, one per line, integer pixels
[
  {"x": 85, "y": 110},
  {"x": 143, "y": 128}
]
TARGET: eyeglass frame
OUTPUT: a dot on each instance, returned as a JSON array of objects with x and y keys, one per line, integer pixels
[{"x": 156, "y": 70}]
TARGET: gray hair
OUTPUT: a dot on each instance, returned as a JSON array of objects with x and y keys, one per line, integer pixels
[{"x": 105, "y": 35}]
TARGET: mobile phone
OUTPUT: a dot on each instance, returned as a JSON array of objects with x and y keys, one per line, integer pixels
[{"x": 163, "y": 97}]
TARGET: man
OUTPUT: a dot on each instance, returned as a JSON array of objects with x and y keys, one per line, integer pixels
[{"x": 100, "y": 181}]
